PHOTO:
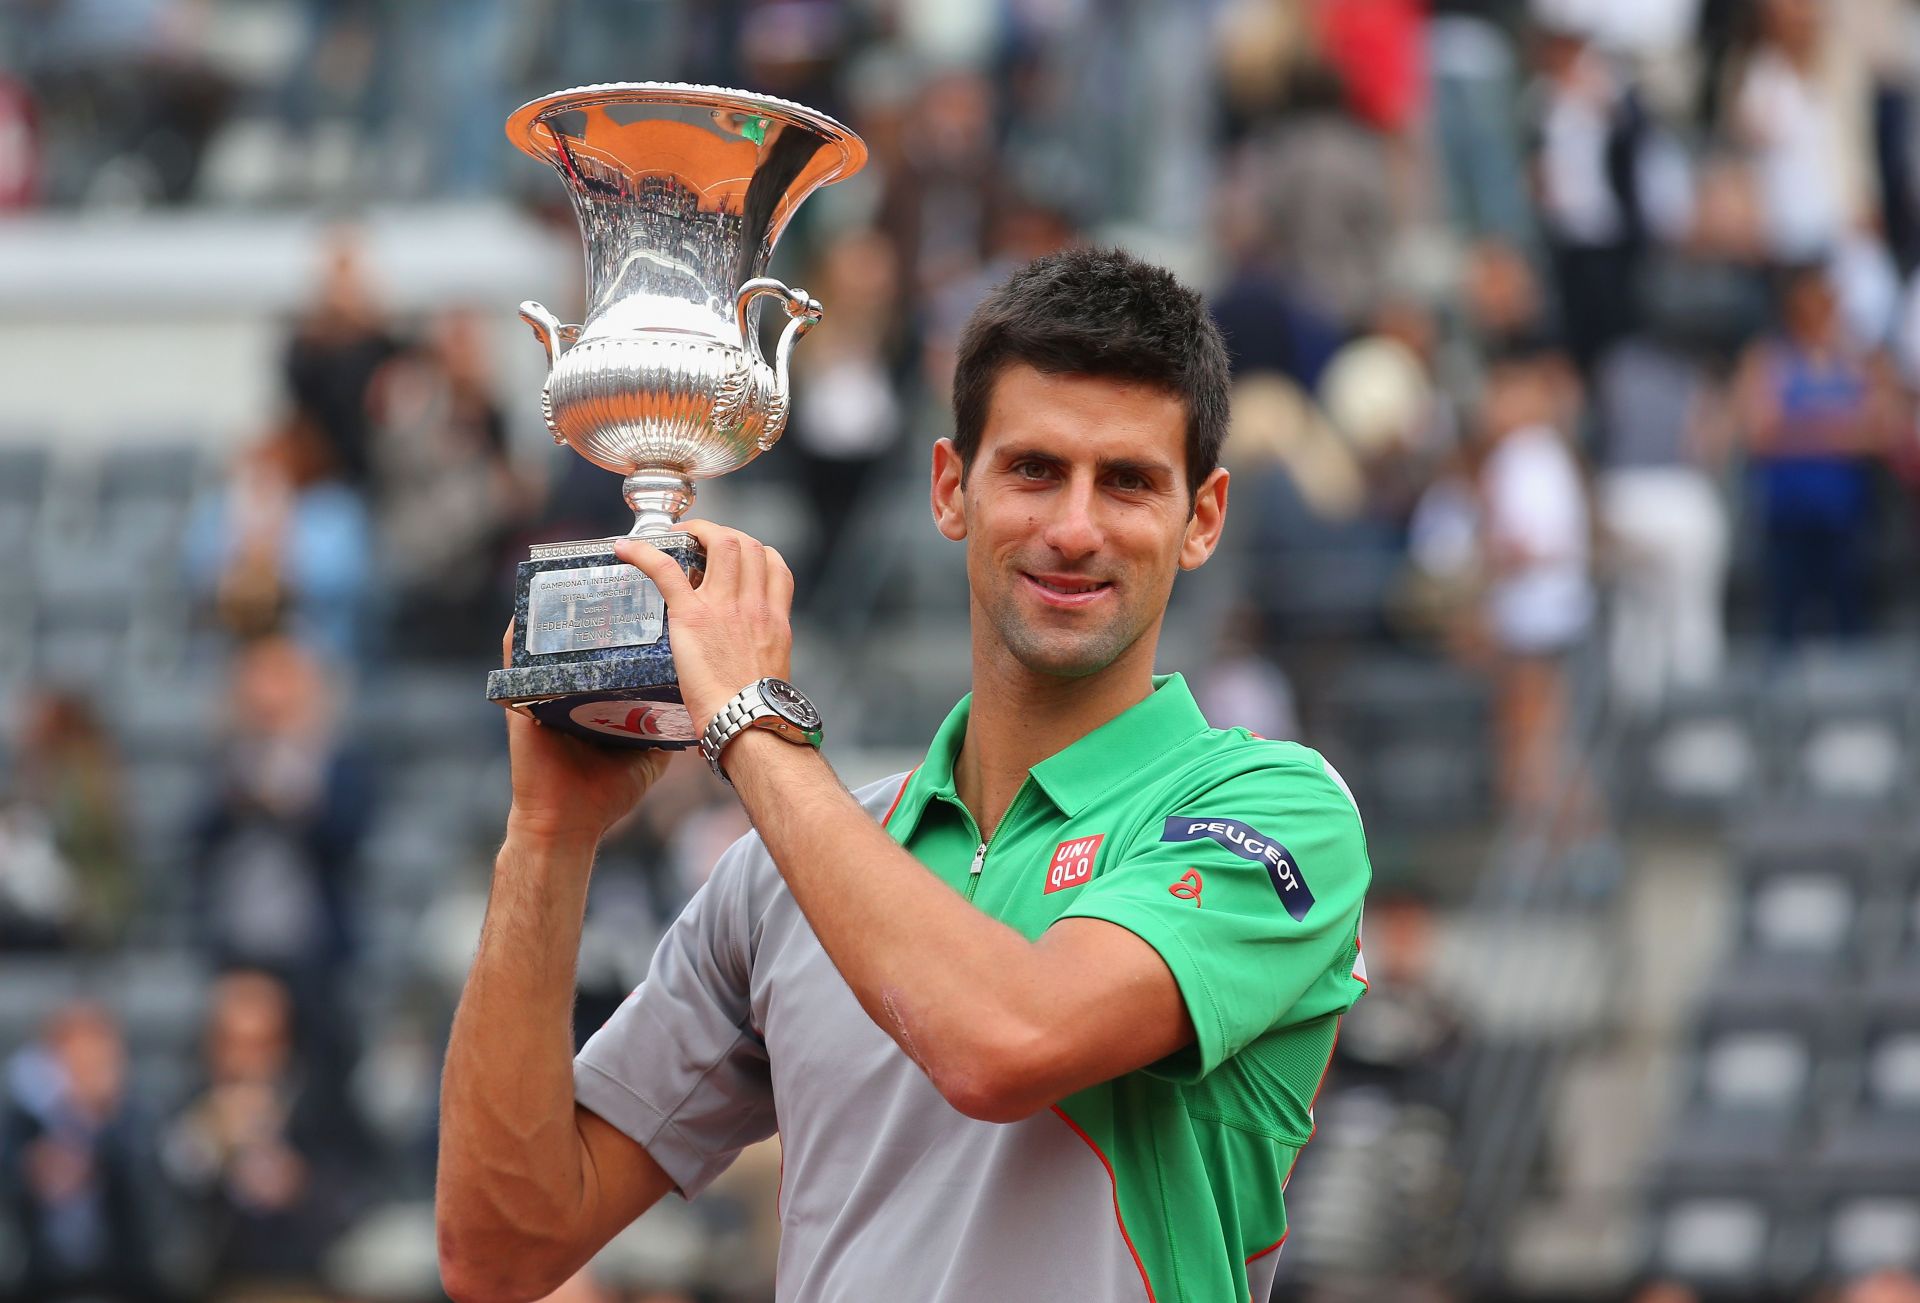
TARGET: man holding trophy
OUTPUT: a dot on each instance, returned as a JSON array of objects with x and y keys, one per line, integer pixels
[{"x": 1043, "y": 1018}]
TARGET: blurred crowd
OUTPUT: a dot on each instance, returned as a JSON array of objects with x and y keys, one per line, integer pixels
[{"x": 1555, "y": 325}]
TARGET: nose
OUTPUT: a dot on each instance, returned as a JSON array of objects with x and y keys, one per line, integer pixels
[{"x": 1073, "y": 530}]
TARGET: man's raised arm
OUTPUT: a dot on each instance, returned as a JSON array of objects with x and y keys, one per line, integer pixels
[{"x": 530, "y": 1185}]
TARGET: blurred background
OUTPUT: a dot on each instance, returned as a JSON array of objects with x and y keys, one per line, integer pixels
[{"x": 1574, "y": 457}]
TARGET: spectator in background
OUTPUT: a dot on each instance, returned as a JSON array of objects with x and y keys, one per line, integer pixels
[
  {"x": 1536, "y": 545},
  {"x": 1242, "y": 686},
  {"x": 1379, "y": 391},
  {"x": 284, "y": 544},
  {"x": 276, "y": 844},
  {"x": 1376, "y": 47},
  {"x": 1267, "y": 322},
  {"x": 1663, "y": 440},
  {"x": 847, "y": 413},
  {"x": 1326, "y": 203},
  {"x": 446, "y": 496},
  {"x": 1470, "y": 59},
  {"x": 267, "y": 1147},
  {"x": 944, "y": 187},
  {"x": 75, "y": 1161},
  {"x": 1594, "y": 168},
  {"x": 1800, "y": 107},
  {"x": 1815, "y": 410},
  {"x": 336, "y": 349},
  {"x": 19, "y": 146},
  {"x": 1410, "y": 1044},
  {"x": 1710, "y": 292},
  {"x": 1500, "y": 297},
  {"x": 67, "y": 785}
]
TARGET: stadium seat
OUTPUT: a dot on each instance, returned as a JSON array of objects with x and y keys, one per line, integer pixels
[
  {"x": 31, "y": 987},
  {"x": 175, "y": 717},
  {"x": 1878, "y": 1139},
  {"x": 1799, "y": 928},
  {"x": 1751, "y": 1090},
  {"x": 81, "y": 640},
  {"x": 141, "y": 499},
  {"x": 1730, "y": 1241},
  {"x": 404, "y": 713},
  {"x": 1704, "y": 753},
  {"x": 152, "y": 468},
  {"x": 1868, "y": 1227},
  {"x": 23, "y": 486},
  {"x": 1396, "y": 723},
  {"x": 1844, "y": 726},
  {"x": 161, "y": 997},
  {"x": 24, "y": 467},
  {"x": 1893, "y": 980}
]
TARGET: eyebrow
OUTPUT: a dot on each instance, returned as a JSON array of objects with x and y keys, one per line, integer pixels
[{"x": 1105, "y": 465}]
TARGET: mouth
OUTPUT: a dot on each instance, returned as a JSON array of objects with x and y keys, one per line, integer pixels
[{"x": 1068, "y": 591}]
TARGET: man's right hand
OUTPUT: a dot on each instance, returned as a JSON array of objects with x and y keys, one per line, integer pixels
[{"x": 566, "y": 791}]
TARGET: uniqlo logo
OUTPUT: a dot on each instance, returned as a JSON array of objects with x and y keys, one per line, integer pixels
[{"x": 1072, "y": 862}]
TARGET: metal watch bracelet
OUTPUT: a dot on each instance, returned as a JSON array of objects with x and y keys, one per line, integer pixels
[{"x": 750, "y": 704}]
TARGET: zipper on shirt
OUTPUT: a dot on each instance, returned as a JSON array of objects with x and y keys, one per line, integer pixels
[{"x": 980, "y": 851}]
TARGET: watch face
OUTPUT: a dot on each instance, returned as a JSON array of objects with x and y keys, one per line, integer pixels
[{"x": 793, "y": 707}]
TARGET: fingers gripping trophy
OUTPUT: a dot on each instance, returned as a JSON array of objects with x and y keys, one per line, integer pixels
[{"x": 680, "y": 192}]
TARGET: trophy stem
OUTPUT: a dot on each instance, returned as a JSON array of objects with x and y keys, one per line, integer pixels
[{"x": 658, "y": 498}]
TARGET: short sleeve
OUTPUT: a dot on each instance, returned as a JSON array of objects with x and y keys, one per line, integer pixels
[
  {"x": 1251, "y": 893},
  {"x": 679, "y": 1067}
]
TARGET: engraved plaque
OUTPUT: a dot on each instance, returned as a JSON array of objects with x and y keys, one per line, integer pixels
[{"x": 597, "y": 606}]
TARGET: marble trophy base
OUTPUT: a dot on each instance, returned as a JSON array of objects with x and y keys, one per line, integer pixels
[{"x": 591, "y": 651}]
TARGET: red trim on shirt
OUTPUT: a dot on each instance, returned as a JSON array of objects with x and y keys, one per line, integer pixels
[
  {"x": 888, "y": 816},
  {"x": 1271, "y": 1247},
  {"x": 1111, "y": 1180}
]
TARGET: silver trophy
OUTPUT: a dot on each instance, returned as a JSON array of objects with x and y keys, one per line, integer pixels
[{"x": 681, "y": 192}]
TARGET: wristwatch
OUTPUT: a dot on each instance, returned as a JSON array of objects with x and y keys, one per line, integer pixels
[{"x": 772, "y": 704}]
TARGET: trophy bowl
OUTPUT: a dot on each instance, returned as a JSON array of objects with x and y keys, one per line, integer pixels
[{"x": 681, "y": 193}]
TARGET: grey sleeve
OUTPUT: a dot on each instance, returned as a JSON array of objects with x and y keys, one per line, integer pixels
[{"x": 679, "y": 1067}]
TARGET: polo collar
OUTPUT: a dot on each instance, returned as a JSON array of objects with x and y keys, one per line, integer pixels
[{"x": 1079, "y": 773}]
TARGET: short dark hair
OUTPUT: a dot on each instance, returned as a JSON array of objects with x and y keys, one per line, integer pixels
[{"x": 1097, "y": 312}]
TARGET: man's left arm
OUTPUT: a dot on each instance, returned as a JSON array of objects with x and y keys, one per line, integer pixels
[{"x": 1003, "y": 1026}]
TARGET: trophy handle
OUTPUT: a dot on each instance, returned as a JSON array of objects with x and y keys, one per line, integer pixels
[
  {"x": 803, "y": 311},
  {"x": 556, "y": 338},
  {"x": 548, "y": 330}
]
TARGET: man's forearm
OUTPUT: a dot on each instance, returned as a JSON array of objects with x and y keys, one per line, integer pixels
[
  {"x": 509, "y": 1166},
  {"x": 954, "y": 987}
]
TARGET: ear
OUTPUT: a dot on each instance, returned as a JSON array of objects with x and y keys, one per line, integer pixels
[
  {"x": 949, "y": 494},
  {"x": 1209, "y": 518}
]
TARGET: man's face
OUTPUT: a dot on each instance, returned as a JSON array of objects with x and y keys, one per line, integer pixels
[{"x": 1077, "y": 515}]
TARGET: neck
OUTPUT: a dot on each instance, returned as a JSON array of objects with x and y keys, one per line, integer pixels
[{"x": 1020, "y": 717}]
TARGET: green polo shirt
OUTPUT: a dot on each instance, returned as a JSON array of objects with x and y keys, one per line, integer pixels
[{"x": 1243, "y": 863}]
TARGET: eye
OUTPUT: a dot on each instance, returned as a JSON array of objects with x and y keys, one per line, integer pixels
[
  {"x": 1031, "y": 470},
  {"x": 1131, "y": 482}
]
